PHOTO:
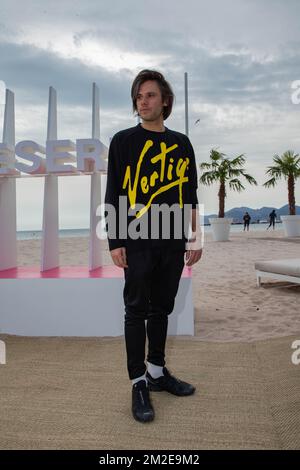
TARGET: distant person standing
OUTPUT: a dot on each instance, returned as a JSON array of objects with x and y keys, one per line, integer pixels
[
  {"x": 272, "y": 218},
  {"x": 246, "y": 219}
]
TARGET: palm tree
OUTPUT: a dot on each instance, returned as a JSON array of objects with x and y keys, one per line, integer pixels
[
  {"x": 224, "y": 171},
  {"x": 287, "y": 166}
]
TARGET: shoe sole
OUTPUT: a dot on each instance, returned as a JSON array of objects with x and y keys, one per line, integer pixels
[
  {"x": 151, "y": 418},
  {"x": 157, "y": 388}
]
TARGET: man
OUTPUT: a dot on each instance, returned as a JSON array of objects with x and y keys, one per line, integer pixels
[
  {"x": 246, "y": 219},
  {"x": 151, "y": 166},
  {"x": 272, "y": 219}
]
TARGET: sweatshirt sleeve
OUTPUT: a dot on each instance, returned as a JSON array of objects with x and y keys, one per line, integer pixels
[
  {"x": 192, "y": 175},
  {"x": 113, "y": 191}
]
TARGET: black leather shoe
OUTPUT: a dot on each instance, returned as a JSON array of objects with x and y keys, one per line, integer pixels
[
  {"x": 170, "y": 384},
  {"x": 142, "y": 408}
]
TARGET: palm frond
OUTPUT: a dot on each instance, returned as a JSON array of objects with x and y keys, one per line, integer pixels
[
  {"x": 239, "y": 160},
  {"x": 236, "y": 185},
  {"x": 286, "y": 165},
  {"x": 270, "y": 183},
  {"x": 250, "y": 179},
  {"x": 208, "y": 178},
  {"x": 223, "y": 169},
  {"x": 204, "y": 166}
]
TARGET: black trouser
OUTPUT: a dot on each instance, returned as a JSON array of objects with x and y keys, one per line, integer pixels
[
  {"x": 272, "y": 222},
  {"x": 151, "y": 284}
]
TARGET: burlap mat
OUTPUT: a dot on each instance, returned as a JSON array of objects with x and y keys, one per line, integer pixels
[{"x": 74, "y": 393}]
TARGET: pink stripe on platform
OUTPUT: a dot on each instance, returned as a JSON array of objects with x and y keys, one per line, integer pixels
[{"x": 70, "y": 272}]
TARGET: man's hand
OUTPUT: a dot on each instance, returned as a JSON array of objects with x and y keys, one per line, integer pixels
[
  {"x": 119, "y": 257},
  {"x": 192, "y": 256}
]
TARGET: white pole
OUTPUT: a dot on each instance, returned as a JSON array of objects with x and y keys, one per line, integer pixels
[
  {"x": 8, "y": 212},
  {"x": 50, "y": 239},
  {"x": 186, "y": 103},
  {"x": 95, "y": 255}
]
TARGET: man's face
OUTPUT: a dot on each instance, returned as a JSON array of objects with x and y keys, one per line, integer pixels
[{"x": 149, "y": 101}]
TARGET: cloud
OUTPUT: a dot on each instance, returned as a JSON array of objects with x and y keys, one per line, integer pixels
[
  {"x": 33, "y": 70},
  {"x": 241, "y": 57}
]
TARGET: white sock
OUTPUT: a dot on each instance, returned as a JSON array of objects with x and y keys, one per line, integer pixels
[
  {"x": 142, "y": 377},
  {"x": 155, "y": 371}
]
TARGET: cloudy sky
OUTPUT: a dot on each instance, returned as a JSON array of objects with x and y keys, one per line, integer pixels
[{"x": 242, "y": 57}]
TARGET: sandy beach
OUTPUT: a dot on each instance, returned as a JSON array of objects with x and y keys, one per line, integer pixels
[
  {"x": 228, "y": 304},
  {"x": 74, "y": 393}
]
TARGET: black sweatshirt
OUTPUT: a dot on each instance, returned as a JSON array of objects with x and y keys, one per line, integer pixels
[{"x": 149, "y": 168}]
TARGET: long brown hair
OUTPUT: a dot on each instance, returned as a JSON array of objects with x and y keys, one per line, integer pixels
[{"x": 164, "y": 86}]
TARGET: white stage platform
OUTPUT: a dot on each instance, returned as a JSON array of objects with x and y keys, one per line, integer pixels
[{"x": 73, "y": 301}]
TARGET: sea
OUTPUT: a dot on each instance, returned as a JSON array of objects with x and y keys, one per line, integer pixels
[{"x": 84, "y": 232}]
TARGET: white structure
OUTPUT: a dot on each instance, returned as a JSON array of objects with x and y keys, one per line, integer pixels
[
  {"x": 2, "y": 353},
  {"x": 50, "y": 240},
  {"x": 283, "y": 269},
  {"x": 220, "y": 228},
  {"x": 95, "y": 259},
  {"x": 63, "y": 301},
  {"x": 291, "y": 225},
  {"x": 76, "y": 302},
  {"x": 8, "y": 221},
  {"x": 91, "y": 155}
]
